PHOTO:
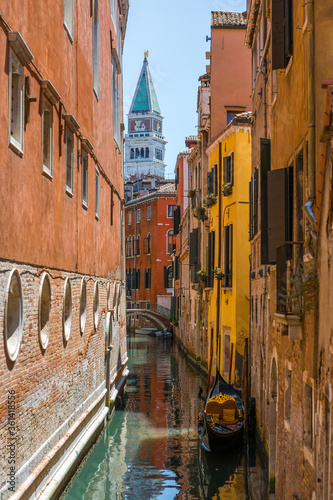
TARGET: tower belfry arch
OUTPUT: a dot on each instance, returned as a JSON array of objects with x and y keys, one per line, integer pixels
[{"x": 144, "y": 142}]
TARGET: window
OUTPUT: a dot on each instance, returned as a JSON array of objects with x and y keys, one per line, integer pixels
[
  {"x": 147, "y": 152},
  {"x": 130, "y": 247},
  {"x": 95, "y": 48},
  {"x": 170, "y": 210},
  {"x": 228, "y": 169},
  {"x": 14, "y": 315},
  {"x": 69, "y": 18},
  {"x": 84, "y": 179},
  {"x": 282, "y": 33},
  {"x": 16, "y": 104},
  {"x": 231, "y": 114},
  {"x": 168, "y": 277},
  {"x": 44, "y": 310},
  {"x": 212, "y": 185},
  {"x": 308, "y": 418},
  {"x": 47, "y": 137},
  {"x": 96, "y": 193},
  {"x": 287, "y": 395},
  {"x": 69, "y": 161},
  {"x": 171, "y": 241},
  {"x": 137, "y": 246},
  {"x": 228, "y": 256},
  {"x": 129, "y": 218},
  {"x": 158, "y": 154},
  {"x": 67, "y": 309},
  {"x": 132, "y": 154},
  {"x": 137, "y": 153},
  {"x": 96, "y": 305},
  {"x": 149, "y": 213},
  {"x": 148, "y": 278},
  {"x": 138, "y": 215},
  {"x": 116, "y": 108},
  {"x": 142, "y": 153},
  {"x": 147, "y": 244},
  {"x": 83, "y": 305}
]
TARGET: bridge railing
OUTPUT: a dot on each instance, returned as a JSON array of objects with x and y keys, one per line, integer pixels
[{"x": 149, "y": 306}]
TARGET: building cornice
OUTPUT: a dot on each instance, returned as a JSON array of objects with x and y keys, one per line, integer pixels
[{"x": 225, "y": 134}]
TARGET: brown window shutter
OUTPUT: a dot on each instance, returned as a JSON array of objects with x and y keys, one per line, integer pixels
[
  {"x": 276, "y": 211},
  {"x": 265, "y": 166},
  {"x": 278, "y": 50}
]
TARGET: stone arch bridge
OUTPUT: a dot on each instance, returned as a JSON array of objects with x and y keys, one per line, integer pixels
[{"x": 156, "y": 313}]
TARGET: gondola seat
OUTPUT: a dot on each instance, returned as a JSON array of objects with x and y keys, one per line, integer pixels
[{"x": 225, "y": 413}]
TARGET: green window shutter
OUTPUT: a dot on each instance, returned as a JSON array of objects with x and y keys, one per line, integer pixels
[
  {"x": 265, "y": 166},
  {"x": 278, "y": 36}
]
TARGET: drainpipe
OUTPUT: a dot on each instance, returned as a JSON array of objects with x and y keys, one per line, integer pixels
[
  {"x": 219, "y": 261},
  {"x": 311, "y": 106}
]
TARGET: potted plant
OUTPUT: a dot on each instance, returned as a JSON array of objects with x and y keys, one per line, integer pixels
[
  {"x": 209, "y": 200},
  {"x": 202, "y": 274},
  {"x": 219, "y": 274},
  {"x": 226, "y": 189}
]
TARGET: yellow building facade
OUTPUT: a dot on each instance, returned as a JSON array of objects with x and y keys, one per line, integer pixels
[{"x": 228, "y": 259}]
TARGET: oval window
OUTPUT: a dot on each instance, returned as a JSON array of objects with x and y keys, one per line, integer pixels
[
  {"x": 95, "y": 307},
  {"x": 83, "y": 305},
  {"x": 44, "y": 310},
  {"x": 14, "y": 315},
  {"x": 67, "y": 314}
]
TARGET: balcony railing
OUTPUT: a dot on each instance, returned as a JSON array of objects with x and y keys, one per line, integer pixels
[{"x": 289, "y": 258}]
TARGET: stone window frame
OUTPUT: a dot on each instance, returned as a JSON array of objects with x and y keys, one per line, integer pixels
[
  {"x": 287, "y": 406},
  {"x": 138, "y": 215},
  {"x": 12, "y": 350},
  {"x": 308, "y": 448},
  {"x": 129, "y": 218},
  {"x": 69, "y": 162},
  {"x": 44, "y": 327},
  {"x": 67, "y": 310},
  {"x": 16, "y": 104},
  {"x": 97, "y": 193},
  {"x": 96, "y": 305},
  {"x": 83, "y": 305},
  {"x": 47, "y": 160},
  {"x": 149, "y": 212}
]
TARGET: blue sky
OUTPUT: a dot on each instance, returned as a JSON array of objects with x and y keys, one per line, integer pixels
[{"x": 174, "y": 32}]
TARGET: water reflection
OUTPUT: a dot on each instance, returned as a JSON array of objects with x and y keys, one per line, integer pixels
[{"x": 149, "y": 449}]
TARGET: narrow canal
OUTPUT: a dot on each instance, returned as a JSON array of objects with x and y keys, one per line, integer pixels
[{"x": 149, "y": 449}]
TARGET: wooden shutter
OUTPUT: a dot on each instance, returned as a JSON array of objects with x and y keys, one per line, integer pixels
[
  {"x": 276, "y": 211},
  {"x": 165, "y": 277},
  {"x": 255, "y": 201},
  {"x": 210, "y": 182},
  {"x": 231, "y": 162},
  {"x": 250, "y": 211},
  {"x": 176, "y": 220},
  {"x": 210, "y": 257},
  {"x": 265, "y": 166},
  {"x": 194, "y": 247},
  {"x": 278, "y": 48},
  {"x": 225, "y": 169},
  {"x": 149, "y": 277},
  {"x": 215, "y": 180}
]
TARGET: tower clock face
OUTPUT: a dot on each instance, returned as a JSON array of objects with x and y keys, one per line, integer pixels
[{"x": 139, "y": 125}]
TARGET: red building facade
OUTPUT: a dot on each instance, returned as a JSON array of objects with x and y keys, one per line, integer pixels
[{"x": 149, "y": 244}]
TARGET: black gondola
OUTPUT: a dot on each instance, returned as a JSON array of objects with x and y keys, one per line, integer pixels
[{"x": 221, "y": 423}]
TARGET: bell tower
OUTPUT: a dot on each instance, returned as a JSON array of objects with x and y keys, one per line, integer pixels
[{"x": 144, "y": 142}]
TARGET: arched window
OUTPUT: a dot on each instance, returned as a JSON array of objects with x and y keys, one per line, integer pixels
[
  {"x": 67, "y": 309},
  {"x": 138, "y": 241},
  {"x": 170, "y": 241},
  {"x": 96, "y": 305},
  {"x": 132, "y": 154},
  {"x": 170, "y": 277},
  {"x": 137, "y": 153},
  {"x": 142, "y": 153},
  {"x": 147, "y": 152},
  {"x": 14, "y": 315},
  {"x": 147, "y": 244},
  {"x": 83, "y": 305},
  {"x": 44, "y": 310}
]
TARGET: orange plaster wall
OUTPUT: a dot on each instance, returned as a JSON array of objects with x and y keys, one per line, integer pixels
[
  {"x": 230, "y": 75},
  {"x": 39, "y": 222}
]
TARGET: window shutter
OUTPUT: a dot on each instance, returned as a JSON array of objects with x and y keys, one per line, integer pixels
[
  {"x": 149, "y": 277},
  {"x": 194, "y": 247},
  {"x": 225, "y": 170},
  {"x": 231, "y": 169},
  {"x": 278, "y": 50},
  {"x": 250, "y": 210},
  {"x": 176, "y": 220},
  {"x": 165, "y": 277},
  {"x": 265, "y": 166},
  {"x": 276, "y": 211},
  {"x": 215, "y": 183},
  {"x": 138, "y": 279},
  {"x": 210, "y": 182},
  {"x": 255, "y": 201},
  {"x": 210, "y": 264}
]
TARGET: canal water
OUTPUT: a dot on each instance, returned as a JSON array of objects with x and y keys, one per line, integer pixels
[{"x": 149, "y": 449}]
